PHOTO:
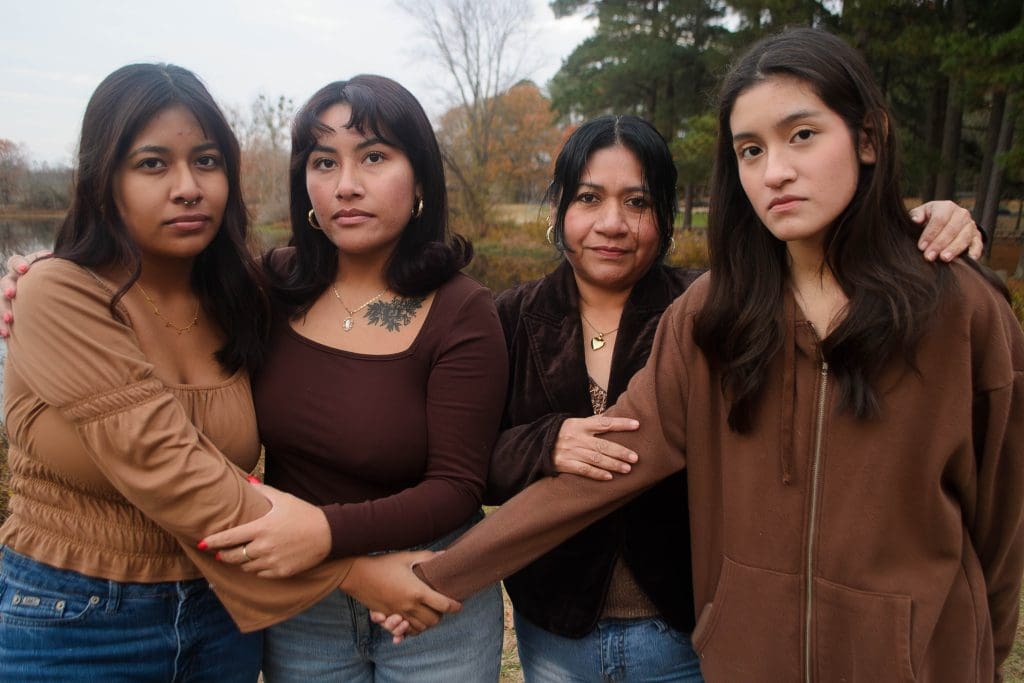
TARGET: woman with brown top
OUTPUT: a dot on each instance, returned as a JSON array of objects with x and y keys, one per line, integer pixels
[
  {"x": 129, "y": 411},
  {"x": 851, "y": 418},
  {"x": 613, "y": 602},
  {"x": 382, "y": 391}
]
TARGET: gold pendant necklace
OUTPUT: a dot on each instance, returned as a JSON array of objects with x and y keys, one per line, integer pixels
[
  {"x": 598, "y": 341},
  {"x": 348, "y": 323},
  {"x": 168, "y": 323}
]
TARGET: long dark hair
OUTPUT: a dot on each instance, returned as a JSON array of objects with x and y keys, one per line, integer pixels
[
  {"x": 225, "y": 276},
  {"x": 650, "y": 149},
  {"x": 870, "y": 248},
  {"x": 427, "y": 254}
]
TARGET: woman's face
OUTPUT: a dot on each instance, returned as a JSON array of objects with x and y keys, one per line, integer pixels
[
  {"x": 171, "y": 188},
  {"x": 362, "y": 189},
  {"x": 797, "y": 159},
  {"x": 611, "y": 233}
]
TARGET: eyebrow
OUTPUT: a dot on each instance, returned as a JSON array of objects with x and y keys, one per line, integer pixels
[
  {"x": 783, "y": 123},
  {"x": 158, "y": 149},
  {"x": 368, "y": 142},
  {"x": 632, "y": 188}
]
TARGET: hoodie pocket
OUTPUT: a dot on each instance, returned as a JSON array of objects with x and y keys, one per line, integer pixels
[
  {"x": 751, "y": 630},
  {"x": 860, "y": 636}
]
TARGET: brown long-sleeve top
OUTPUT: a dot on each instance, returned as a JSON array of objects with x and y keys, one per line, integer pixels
[
  {"x": 395, "y": 447},
  {"x": 117, "y": 475},
  {"x": 825, "y": 547}
]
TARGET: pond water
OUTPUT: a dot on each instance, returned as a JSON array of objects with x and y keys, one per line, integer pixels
[{"x": 23, "y": 236}]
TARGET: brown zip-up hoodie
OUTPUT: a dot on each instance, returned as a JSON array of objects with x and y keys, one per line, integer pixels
[{"x": 825, "y": 548}]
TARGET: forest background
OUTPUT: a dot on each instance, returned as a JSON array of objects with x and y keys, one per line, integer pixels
[{"x": 953, "y": 71}]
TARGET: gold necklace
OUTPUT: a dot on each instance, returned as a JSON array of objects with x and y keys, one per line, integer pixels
[
  {"x": 348, "y": 323},
  {"x": 168, "y": 323},
  {"x": 597, "y": 342}
]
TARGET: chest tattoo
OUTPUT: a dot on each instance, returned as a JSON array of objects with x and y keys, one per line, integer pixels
[{"x": 394, "y": 314}]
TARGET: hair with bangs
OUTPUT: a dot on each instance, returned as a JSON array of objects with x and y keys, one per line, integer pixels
[
  {"x": 870, "y": 248},
  {"x": 225, "y": 276},
  {"x": 427, "y": 254},
  {"x": 659, "y": 173}
]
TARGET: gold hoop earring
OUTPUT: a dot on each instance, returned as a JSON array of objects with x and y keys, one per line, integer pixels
[
  {"x": 417, "y": 210},
  {"x": 550, "y": 234},
  {"x": 311, "y": 217}
]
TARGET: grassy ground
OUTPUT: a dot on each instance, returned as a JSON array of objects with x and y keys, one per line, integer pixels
[
  {"x": 511, "y": 671},
  {"x": 1013, "y": 669}
]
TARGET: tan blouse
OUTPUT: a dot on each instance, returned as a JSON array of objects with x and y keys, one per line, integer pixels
[{"x": 115, "y": 474}]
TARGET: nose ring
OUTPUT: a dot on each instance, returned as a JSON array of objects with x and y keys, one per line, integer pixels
[{"x": 190, "y": 204}]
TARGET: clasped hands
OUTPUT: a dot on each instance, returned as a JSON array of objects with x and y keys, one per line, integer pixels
[{"x": 294, "y": 536}]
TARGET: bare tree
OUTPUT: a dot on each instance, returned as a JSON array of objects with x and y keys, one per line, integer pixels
[
  {"x": 263, "y": 134},
  {"x": 13, "y": 168},
  {"x": 482, "y": 46}
]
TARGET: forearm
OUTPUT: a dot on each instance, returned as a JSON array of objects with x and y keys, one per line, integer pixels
[
  {"x": 521, "y": 456},
  {"x": 410, "y": 518}
]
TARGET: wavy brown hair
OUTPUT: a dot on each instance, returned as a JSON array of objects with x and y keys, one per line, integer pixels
[
  {"x": 225, "y": 276},
  {"x": 870, "y": 248},
  {"x": 427, "y": 254}
]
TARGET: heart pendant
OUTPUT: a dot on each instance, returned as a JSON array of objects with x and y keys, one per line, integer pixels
[{"x": 597, "y": 343}]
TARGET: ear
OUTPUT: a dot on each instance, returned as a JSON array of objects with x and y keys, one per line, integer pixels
[
  {"x": 866, "y": 146},
  {"x": 872, "y": 134}
]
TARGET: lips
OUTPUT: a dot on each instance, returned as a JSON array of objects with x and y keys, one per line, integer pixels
[
  {"x": 350, "y": 216},
  {"x": 610, "y": 252},
  {"x": 351, "y": 213},
  {"x": 189, "y": 221},
  {"x": 784, "y": 202}
]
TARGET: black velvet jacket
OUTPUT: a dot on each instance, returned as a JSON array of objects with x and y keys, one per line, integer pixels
[{"x": 564, "y": 591}]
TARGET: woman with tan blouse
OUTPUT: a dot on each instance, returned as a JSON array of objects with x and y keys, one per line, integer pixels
[{"x": 129, "y": 410}]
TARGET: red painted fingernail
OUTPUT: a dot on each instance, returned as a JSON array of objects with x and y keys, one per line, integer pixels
[
  {"x": 8, "y": 317},
  {"x": 22, "y": 268},
  {"x": 5, "y": 334},
  {"x": 252, "y": 480},
  {"x": 217, "y": 556},
  {"x": 202, "y": 545},
  {"x": 9, "y": 292}
]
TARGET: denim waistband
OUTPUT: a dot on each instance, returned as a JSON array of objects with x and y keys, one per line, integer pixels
[{"x": 14, "y": 565}]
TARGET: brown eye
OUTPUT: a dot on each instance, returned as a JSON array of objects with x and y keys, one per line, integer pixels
[
  {"x": 150, "y": 164},
  {"x": 749, "y": 152},
  {"x": 208, "y": 161}
]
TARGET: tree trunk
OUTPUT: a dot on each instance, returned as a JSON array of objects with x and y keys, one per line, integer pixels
[
  {"x": 995, "y": 183},
  {"x": 945, "y": 181},
  {"x": 995, "y": 122},
  {"x": 688, "y": 210},
  {"x": 1020, "y": 240},
  {"x": 933, "y": 135}
]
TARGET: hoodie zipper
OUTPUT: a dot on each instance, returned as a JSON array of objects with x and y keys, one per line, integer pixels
[{"x": 819, "y": 429}]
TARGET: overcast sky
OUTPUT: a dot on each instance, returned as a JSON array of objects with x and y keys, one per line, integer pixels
[{"x": 55, "y": 52}]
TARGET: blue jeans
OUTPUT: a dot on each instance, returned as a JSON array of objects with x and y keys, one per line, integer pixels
[
  {"x": 59, "y": 625},
  {"x": 617, "y": 650},
  {"x": 334, "y": 640}
]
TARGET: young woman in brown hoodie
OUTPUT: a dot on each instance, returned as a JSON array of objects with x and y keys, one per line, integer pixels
[{"x": 850, "y": 417}]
